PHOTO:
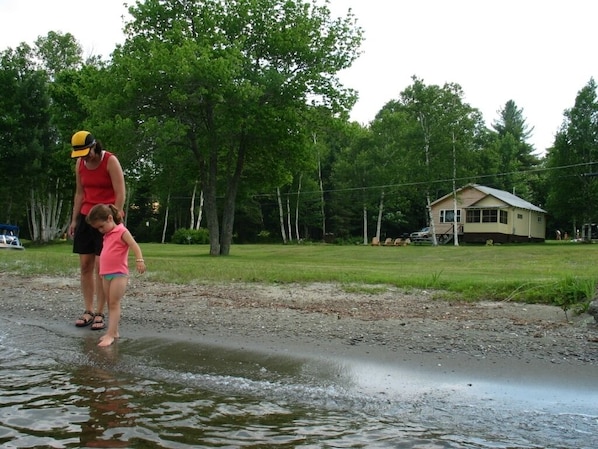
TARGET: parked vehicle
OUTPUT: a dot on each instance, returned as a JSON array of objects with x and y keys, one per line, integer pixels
[
  {"x": 9, "y": 237},
  {"x": 423, "y": 233}
]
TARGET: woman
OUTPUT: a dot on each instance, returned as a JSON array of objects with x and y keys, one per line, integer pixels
[{"x": 99, "y": 180}]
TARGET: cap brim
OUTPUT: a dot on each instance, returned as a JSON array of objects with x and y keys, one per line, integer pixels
[{"x": 81, "y": 153}]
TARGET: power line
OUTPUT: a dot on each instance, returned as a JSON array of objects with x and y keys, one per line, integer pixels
[{"x": 437, "y": 181}]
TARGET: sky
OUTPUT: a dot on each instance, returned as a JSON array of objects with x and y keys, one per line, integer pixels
[{"x": 538, "y": 53}]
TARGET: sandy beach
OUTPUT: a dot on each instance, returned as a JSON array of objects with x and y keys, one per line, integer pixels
[{"x": 499, "y": 340}]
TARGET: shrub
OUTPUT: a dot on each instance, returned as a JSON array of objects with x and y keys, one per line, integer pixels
[{"x": 183, "y": 236}]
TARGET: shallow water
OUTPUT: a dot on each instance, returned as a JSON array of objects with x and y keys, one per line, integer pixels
[{"x": 57, "y": 389}]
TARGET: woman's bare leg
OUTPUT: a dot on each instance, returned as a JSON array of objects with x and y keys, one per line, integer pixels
[{"x": 87, "y": 281}]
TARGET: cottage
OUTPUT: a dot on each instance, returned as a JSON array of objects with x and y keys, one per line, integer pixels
[{"x": 486, "y": 214}]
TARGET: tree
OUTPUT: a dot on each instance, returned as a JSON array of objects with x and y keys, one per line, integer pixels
[
  {"x": 437, "y": 136},
  {"x": 573, "y": 186},
  {"x": 233, "y": 79},
  {"x": 514, "y": 156},
  {"x": 58, "y": 52},
  {"x": 33, "y": 172},
  {"x": 353, "y": 178}
]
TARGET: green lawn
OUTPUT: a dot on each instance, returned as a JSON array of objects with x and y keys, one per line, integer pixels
[{"x": 553, "y": 272}]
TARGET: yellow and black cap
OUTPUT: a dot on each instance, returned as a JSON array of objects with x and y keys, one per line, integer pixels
[{"x": 82, "y": 141}]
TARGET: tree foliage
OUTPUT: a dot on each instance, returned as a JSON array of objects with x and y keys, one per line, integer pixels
[
  {"x": 237, "y": 100},
  {"x": 420, "y": 142},
  {"x": 573, "y": 186},
  {"x": 514, "y": 157},
  {"x": 228, "y": 84}
]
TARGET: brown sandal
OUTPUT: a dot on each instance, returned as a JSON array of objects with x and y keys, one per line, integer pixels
[
  {"x": 98, "y": 322},
  {"x": 82, "y": 321}
]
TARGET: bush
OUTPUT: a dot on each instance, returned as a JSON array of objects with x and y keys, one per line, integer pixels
[{"x": 185, "y": 236}]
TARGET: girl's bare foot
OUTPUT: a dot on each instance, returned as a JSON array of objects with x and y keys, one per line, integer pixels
[{"x": 107, "y": 340}]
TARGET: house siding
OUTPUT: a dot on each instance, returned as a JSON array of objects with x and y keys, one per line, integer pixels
[
  {"x": 464, "y": 199},
  {"x": 522, "y": 225}
]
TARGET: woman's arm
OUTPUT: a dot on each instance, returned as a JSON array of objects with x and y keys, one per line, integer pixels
[
  {"x": 77, "y": 200},
  {"x": 118, "y": 183}
]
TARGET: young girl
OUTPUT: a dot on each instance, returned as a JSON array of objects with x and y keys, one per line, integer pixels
[{"x": 114, "y": 267}]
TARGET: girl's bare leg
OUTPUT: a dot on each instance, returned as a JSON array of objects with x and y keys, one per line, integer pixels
[
  {"x": 114, "y": 290},
  {"x": 99, "y": 287}
]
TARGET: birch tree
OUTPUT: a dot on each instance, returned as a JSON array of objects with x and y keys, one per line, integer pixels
[
  {"x": 283, "y": 233},
  {"x": 34, "y": 169},
  {"x": 448, "y": 137}
]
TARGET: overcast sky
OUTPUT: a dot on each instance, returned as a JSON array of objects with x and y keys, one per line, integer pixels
[{"x": 539, "y": 53}]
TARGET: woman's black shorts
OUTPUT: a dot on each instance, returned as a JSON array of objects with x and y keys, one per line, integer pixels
[{"x": 87, "y": 240}]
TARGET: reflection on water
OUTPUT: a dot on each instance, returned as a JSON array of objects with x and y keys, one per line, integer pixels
[{"x": 63, "y": 391}]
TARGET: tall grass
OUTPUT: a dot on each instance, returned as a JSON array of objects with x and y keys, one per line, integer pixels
[{"x": 558, "y": 273}]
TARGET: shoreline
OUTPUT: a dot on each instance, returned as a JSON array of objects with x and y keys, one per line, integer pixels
[{"x": 510, "y": 343}]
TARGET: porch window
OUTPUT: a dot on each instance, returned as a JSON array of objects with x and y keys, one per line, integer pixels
[
  {"x": 448, "y": 216},
  {"x": 472, "y": 216},
  {"x": 486, "y": 216},
  {"x": 489, "y": 216}
]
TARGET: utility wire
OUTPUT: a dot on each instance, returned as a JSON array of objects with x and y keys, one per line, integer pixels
[{"x": 437, "y": 181}]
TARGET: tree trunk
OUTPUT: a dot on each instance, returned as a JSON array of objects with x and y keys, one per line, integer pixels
[
  {"x": 128, "y": 194},
  {"x": 297, "y": 210},
  {"x": 379, "y": 221},
  {"x": 424, "y": 124},
  {"x": 431, "y": 219},
  {"x": 33, "y": 218},
  {"x": 208, "y": 171},
  {"x": 281, "y": 216},
  {"x": 192, "y": 207},
  {"x": 166, "y": 218},
  {"x": 200, "y": 212},
  {"x": 455, "y": 223},
  {"x": 289, "y": 220},
  {"x": 321, "y": 184},
  {"x": 45, "y": 218},
  {"x": 228, "y": 210},
  {"x": 365, "y": 225}
]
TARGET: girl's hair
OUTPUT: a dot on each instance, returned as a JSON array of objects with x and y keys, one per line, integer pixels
[{"x": 101, "y": 212}]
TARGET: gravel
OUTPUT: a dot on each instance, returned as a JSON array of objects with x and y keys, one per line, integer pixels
[{"x": 355, "y": 320}]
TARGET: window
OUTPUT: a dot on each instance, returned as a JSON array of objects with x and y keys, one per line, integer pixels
[
  {"x": 448, "y": 216},
  {"x": 503, "y": 216},
  {"x": 472, "y": 216},
  {"x": 519, "y": 216},
  {"x": 489, "y": 216}
]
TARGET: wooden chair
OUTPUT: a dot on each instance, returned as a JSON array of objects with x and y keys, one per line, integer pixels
[
  {"x": 399, "y": 242},
  {"x": 375, "y": 241},
  {"x": 388, "y": 242}
]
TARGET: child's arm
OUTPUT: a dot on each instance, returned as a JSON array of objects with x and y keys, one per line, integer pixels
[{"x": 130, "y": 241}]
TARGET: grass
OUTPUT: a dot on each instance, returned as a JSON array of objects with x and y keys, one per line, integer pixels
[{"x": 561, "y": 273}]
